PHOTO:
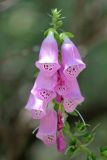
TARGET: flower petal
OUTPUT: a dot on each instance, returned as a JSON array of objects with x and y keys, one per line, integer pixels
[
  {"x": 74, "y": 98},
  {"x": 71, "y": 59},
  {"x": 44, "y": 82},
  {"x": 48, "y": 57},
  {"x": 47, "y": 128},
  {"x": 44, "y": 87},
  {"x": 63, "y": 86},
  {"x": 36, "y": 106}
]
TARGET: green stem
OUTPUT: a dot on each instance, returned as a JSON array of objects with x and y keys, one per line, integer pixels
[{"x": 80, "y": 117}]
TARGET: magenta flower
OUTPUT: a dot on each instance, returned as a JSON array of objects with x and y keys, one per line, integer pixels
[
  {"x": 44, "y": 87},
  {"x": 48, "y": 128},
  {"x": 71, "y": 59},
  {"x": 73, "y": 98},
  {"x": 36, "y": 106},
  {"x": 63, "y": 86},
  {"x": 61, "y": 143},
  {"x": 48, "y": 57}
]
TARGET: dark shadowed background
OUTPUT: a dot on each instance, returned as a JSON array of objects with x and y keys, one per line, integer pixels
[{"x": 22, "y": 23}]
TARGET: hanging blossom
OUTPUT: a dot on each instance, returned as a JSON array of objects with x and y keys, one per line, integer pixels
[
  {"x": 48, "y": 56},
  {"x": 55, "y": 82},
  {"x": 71, "y": 59},
  {"x": 48, "y": 128}
]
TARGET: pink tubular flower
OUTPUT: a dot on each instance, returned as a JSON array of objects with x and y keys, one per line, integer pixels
[
  {"x": 61, "y": 143},
  {"x": 48, "y": 57},
  {"x": 47, "y": 128},
  {"x": 36, "y": 107},
  {"x": 44, "y": 87},
  {"x": 63, "y": 86},
  {"x": 71, "y": 59},
  {"x": 73, "y": 98}
]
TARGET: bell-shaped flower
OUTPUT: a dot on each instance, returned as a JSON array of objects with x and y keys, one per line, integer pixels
[
  {"x": 48, "y": 56},
  {"x": 48, "y": 128},
  {"x": 63, "y": 86},
  {"x": 71, "y": 59},
  {"x": 44, "y": 87},
  {"x": 74, "y": 98},
  {"x": 36, "y": 106},
  {"x": 61, "y": 143}
]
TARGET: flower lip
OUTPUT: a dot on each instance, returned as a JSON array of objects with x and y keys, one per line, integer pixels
[
  {"x": 73, "y": 98},
  {"x": 48, "y": 68},
  {"x": 44, "y": 87},
  {"x": 38, "y": 114},
  {"x": 49, "y": 139},
  {"x": 74, "y": 70},
  {"x": 63, "y": 86},
  {"x": 46, "y": 94},
  {"x": 71, "y": 103},
  {"x": 36, "y": 106}
]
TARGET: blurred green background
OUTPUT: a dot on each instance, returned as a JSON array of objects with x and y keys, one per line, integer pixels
[{"x": 22, "y": 23}]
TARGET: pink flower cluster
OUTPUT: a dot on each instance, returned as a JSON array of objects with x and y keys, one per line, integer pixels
[{"x": 56, "y": 80}]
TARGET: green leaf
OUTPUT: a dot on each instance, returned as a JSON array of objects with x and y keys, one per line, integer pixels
[
  {"x": 72, "y": 147},
  {"x": 66, "y": 126},
  {"x": 71, "y": 152},
  {"x": 51, "y": 30},
  {"x": 80, "y": 127},
  {"x": 88, "y": 138},
  {"x": 103, "y": 151},
  {"x": 66, "y": 34},
  {"x": 69, "y": 34}
]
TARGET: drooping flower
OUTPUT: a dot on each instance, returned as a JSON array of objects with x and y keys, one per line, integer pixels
[
  {"x": 61, "y": 143},
  {"x": 44, "y": 87},
  {"x": 48, "y": 56},
  {"x": 63, "y": 86},
  {"x": 36, "y": 106},
  {"x": 48, "y": 128},
  {"x": 71, "y": 59},
  {"x": 74, "y": 97}
]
